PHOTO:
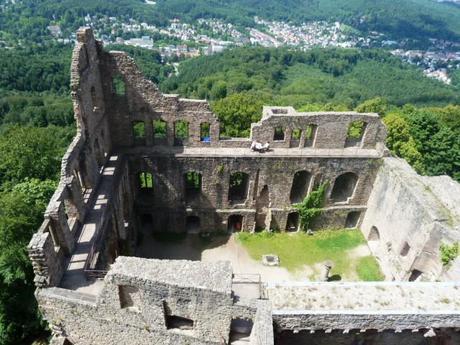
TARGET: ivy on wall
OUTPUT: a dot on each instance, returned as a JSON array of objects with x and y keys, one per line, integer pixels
[{"x": 312, "y": 206}]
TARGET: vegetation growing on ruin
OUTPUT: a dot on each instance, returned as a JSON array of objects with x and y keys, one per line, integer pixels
[
  {"x": 296, "y": 250},
  {"x": 368, "y": 269},
  {"x": 355, "y": 130},
  {"x": 312, "y": 206},
  {"x": 449, "y": 252}
]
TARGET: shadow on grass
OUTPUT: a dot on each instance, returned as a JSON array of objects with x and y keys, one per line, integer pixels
[{"x": 335, "y": 278}]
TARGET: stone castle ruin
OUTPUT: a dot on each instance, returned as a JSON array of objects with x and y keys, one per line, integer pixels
[{"x": 143, "y": 159}]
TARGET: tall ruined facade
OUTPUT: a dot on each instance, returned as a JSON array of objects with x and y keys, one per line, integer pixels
[{"x": 142, "y": 157}]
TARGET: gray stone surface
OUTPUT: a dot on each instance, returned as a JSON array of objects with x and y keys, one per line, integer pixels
[
  {"x": 413, "y": 215},
  {"x": 212, "y": 276},
  {"x": 401, "y": 297}
]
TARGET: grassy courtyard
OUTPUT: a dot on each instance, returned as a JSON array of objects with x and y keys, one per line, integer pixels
[{"x": 298, "y": 250}]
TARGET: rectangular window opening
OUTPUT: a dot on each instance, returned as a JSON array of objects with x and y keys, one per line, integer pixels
[
  {"x": 279, "y": 134},
  {"x": 139, "y": 132},
  {"x": 355, "y": 133},
  {"x": 145, "y": 180},
  {"x": 295, "y": 137},
  {"x": 159, "y": 131},
  {"x": 310, "y": 135},
  {"x": 205, "y": 132},
  {"x": 180, "y": 133},
  {"x": 129, "y": 297},
  {"x": 119, "y": 87}
]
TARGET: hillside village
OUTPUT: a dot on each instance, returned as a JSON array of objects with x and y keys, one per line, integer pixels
[{"x": 210, "y": 36}]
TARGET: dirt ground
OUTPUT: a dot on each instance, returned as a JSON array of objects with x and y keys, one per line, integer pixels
[{"x": 226, "y": 248}]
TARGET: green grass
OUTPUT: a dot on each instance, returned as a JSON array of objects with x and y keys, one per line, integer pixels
[
  {"x": 368, "y": 269},
  {"x": 299, "y": 249}
]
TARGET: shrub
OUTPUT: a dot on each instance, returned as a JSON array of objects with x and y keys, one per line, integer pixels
[
  {"x": 448, "y": 253},
  {"x": 312, "y": 206}
]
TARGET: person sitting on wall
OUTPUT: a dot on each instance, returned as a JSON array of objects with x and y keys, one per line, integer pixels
[{"x": 259, "y": 147}]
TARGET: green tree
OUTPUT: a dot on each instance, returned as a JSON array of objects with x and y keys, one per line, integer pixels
[
  {"x": 21, "y": 212},
  {"x": 377, "y": 105},
  {"x": 236, "y": 113},
  {"x": 401, "y": 142},
  {"x": 219, "y": 90},
  {"x": 32, "y": 152},
  {"x": 442, "y": 154}
]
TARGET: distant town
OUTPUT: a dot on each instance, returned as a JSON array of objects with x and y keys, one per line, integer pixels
[{"x": 209, "y": 36}]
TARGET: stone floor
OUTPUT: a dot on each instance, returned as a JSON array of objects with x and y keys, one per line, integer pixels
[
  {"x": 74, "y": 276},
  {"x": 247, "y": 152}
]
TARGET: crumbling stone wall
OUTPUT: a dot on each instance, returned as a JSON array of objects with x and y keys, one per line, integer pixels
[
  {"x": 145, "y": 301},
  {"x": 167, "y": 204},
  {"x": 101, "y": 196},
  {"x": 407, "y": 219},
  {"x": 52, "y": 245}
]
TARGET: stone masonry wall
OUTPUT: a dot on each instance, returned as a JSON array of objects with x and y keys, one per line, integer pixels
[
  {"x": 406, "y": 222},
  {"x": 80, "y": 166},
  {"x": 139, "y": 302},
  {"x": 168, "y": 204}
]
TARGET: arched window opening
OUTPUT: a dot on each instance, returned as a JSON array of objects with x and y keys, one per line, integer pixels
[
  {"x": 180, "y": 133},
  {"x": 374, "y": 235},
  {"x": 145, "y": 181},
  {"x": 192, "y": 181},
  {"x": 139, "y": 133},
  {"x": 159, "y": 131},
  {"x": 279, "y": 134},
  {"x": 240, "y": 328},
  {"x": 205, "y": 132},
  {"x": 235, "y": 223},
  {"x": 192, "y": 224},
  {"x": 292, "y": 224},
  {"x": 352, "y": 219},
  {"x": 238, "y": 188},
  {"x": 310, "y": 135},
  {"x": 355, "y": 133},
  {"x": 344, "y": 187},
  {"x": 119, "y": 86},
  {"x": 299, "y": 188}
]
